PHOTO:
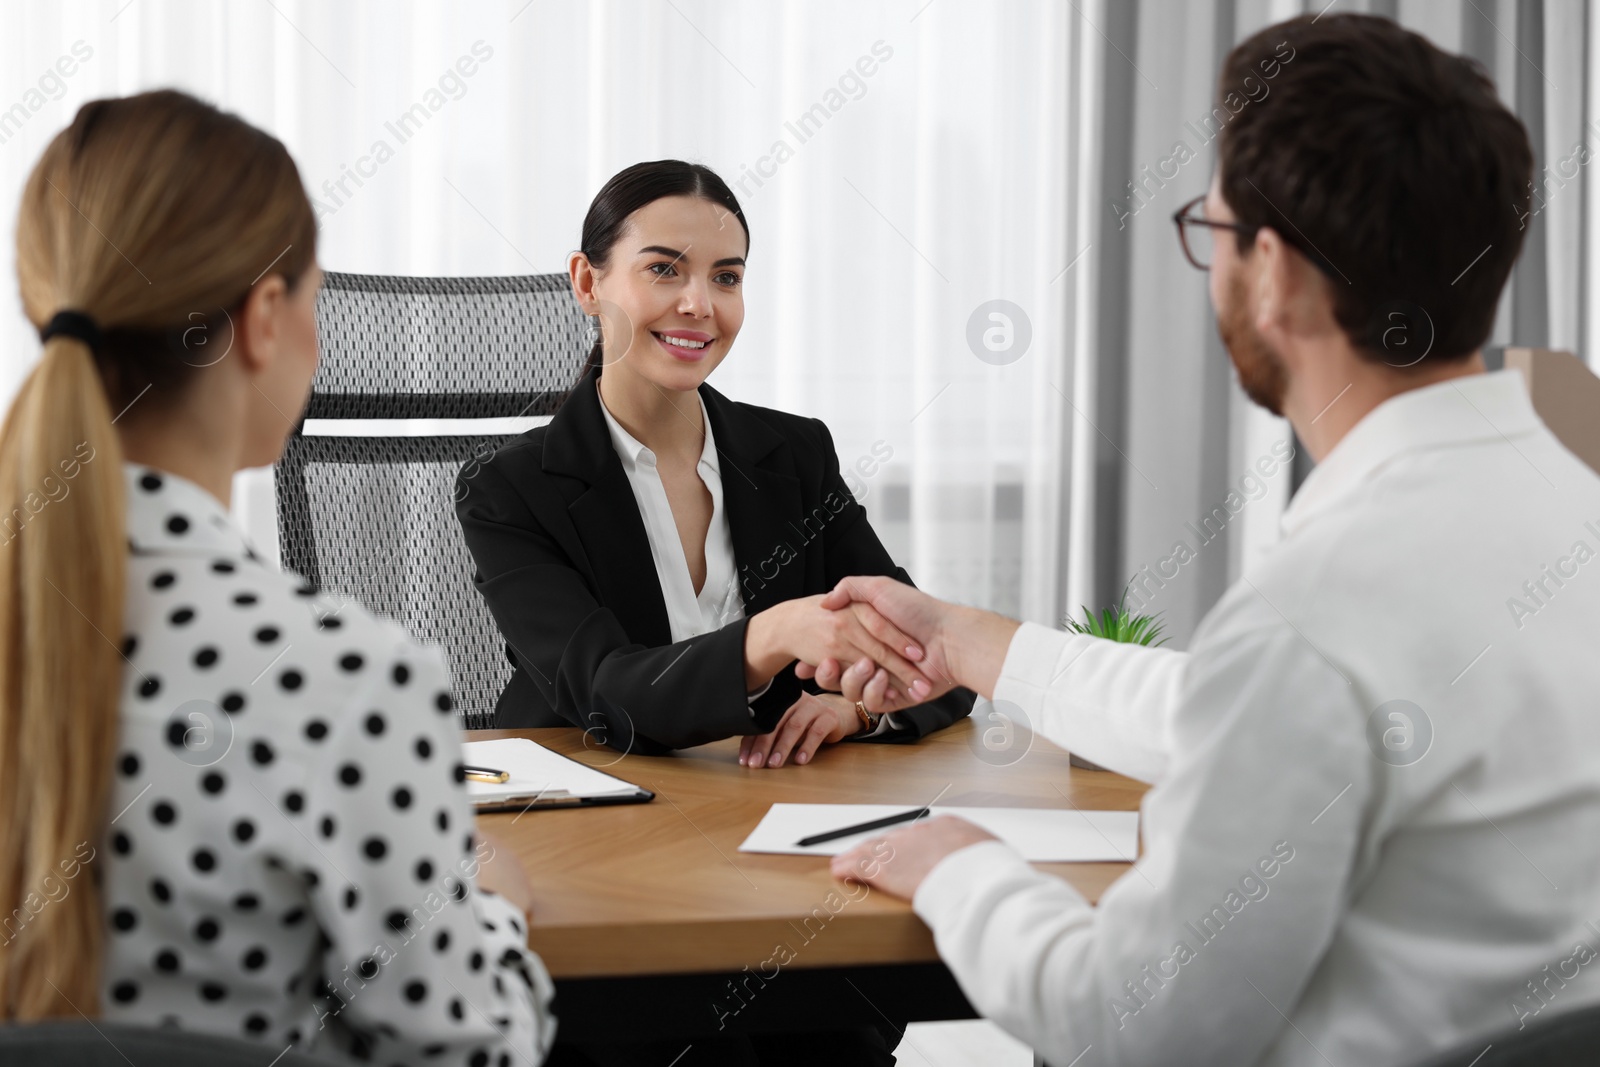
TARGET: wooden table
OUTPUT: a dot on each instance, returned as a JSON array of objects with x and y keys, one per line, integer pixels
[{"x": 641, "y": 896}]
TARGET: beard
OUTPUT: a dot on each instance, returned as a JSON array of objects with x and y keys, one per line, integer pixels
[{"x": 1262, "y": 374}]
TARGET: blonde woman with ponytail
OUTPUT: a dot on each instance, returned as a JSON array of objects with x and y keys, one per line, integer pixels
[{"x": 226, "y": 804}]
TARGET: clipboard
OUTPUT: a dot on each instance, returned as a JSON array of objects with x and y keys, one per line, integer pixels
[{"x": 542, "y": 780}]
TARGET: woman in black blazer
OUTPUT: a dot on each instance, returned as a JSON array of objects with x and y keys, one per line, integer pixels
[{"x": 573, "y": 540}]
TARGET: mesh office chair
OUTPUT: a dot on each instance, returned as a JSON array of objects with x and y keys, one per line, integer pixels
[{"x": 368, "y": 512}]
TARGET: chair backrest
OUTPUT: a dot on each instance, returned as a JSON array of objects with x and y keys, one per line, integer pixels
[
  {"x": 1566, "y": 394},
  {"x": 103, "y": 1044},
  {"x": 418, "y": 377},
  {"x": 1556, "y": 1039}
]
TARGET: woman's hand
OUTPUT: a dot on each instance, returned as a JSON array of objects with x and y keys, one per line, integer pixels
[
  {"x": 804, "y": 630},
  {"x": 810, "y": 722},
  {"x": 961, "y": 646},
  {"x": 912, "y": 612}
]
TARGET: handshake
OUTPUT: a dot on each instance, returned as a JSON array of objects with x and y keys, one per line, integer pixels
[
  {"x": 893, "y": 646},
  {"x": 881, "y": 645},
  {"x": 888, "y": 646}
]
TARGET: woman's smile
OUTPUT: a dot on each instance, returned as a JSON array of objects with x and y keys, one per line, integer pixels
[{"x": 689, "y": 346}]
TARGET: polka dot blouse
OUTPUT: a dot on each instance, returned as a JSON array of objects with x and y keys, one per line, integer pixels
[{"x": 291, "y": 855}]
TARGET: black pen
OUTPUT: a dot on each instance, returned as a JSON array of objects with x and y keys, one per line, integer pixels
[{"x": 862, "y": 827}]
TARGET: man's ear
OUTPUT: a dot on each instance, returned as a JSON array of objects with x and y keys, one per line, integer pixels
[
  {"x": 1293, "y": 294},
  {"x": 582, "y": 274},
  {"x": 260, "y": 322},
  {"x": 1288, "y": 287},
  {"x": 1274, "y": 285}
]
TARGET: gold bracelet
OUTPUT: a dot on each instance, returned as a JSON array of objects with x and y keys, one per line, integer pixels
[{"x": 865, "y": 716}]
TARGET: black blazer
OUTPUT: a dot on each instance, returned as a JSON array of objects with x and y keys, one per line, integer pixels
[{"x": 564, "y": 562}]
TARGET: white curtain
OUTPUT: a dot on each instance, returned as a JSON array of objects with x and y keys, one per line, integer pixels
[
  {"x": 900, "y": 164},
  {"x": 904, "y": 164}
]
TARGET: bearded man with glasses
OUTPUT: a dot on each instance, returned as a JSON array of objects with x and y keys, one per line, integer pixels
[{"x": 1375, "y": 796}]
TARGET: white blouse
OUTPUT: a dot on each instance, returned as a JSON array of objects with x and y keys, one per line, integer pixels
[
  {"x": 719, "y": 601},
  {"x": 291, "y": 855}
]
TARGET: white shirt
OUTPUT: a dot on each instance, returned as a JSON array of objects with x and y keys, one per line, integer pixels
[
  {"x": 287, "y": 811},
  {"x": 1329, "y": 877},
  {"x": 719, "y": 601}
]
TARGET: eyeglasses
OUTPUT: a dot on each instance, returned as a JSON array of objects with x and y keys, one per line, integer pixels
[
  {"x": 1195, "y": 232},
  {"x": 1196, "y": 235}
]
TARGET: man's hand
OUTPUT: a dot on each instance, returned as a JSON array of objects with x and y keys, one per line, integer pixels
[
  {"x": 919, "y": 616},
  {"x": 960, "y": 646},
  {"x": 809, "y": 723},
  {"x": 805, "y": 631},
  {"x": 911, "y": 853}
]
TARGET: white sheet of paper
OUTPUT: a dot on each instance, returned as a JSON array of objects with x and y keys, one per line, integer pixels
[
  {"x": 536, "y": 770},
  {"x": 1042, "y": 835}
]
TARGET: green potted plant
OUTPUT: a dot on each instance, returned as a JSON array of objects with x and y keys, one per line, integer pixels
[{"x": 1116, "y": 624}]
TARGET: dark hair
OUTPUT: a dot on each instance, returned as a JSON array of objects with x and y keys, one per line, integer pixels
[
  {"x": 1391, "y": 164},
  {"x": 633, "y": 188}
]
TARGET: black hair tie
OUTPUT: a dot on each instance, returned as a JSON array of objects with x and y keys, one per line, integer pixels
[{"x": 73, "y": 324}]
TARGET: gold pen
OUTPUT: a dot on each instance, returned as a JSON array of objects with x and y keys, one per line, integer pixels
[{"x": 486, "y": 774}]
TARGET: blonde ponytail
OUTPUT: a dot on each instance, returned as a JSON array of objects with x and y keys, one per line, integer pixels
[
  {"x": 61, "y": 584},
  {"x": 145, "y": 211}
]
